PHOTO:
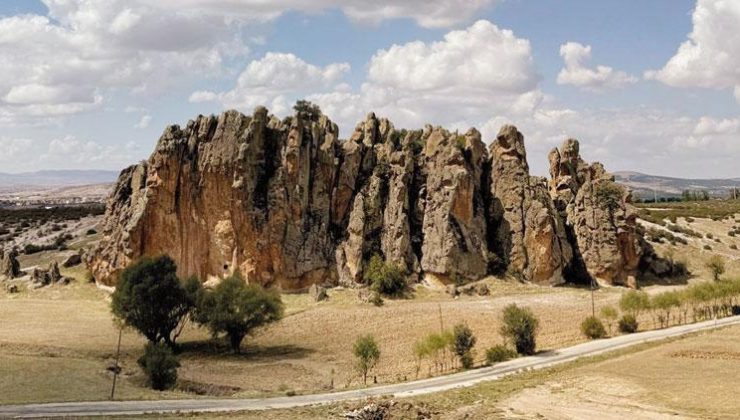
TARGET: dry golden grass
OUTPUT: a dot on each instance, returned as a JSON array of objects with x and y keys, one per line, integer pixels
[{"x": 306, "y": 352}]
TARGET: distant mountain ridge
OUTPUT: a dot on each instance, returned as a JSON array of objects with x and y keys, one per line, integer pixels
[
  {"x": 647, "y": 186},
  {"x": 49, "y": 178}
]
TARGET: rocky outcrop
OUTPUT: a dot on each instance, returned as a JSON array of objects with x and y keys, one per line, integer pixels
[
  {"x": 530, "y": 233},
  {"x": 10, "y": 268},
  {"x": 286, "y": 203},
  {"x": 599, "y": 215},
  {"x": 41, "y": 277}
]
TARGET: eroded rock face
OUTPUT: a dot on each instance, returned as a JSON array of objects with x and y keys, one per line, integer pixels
[
  {"x": 599, "y": 215},
  {"x": 10, "y": 268},
  {"x": 530, "y": 233},
  {"x": 286, "y": 203}
]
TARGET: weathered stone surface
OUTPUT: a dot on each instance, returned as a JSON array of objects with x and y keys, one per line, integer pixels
[
  {"x": 10, "y": 268},
  {"x": 530, "y": 233},
  {"x": 599, "y": 214},
  {"x": 454, "y": 227},
  {"x": 317, "y": 292},
  {"x": 41, "y": 277},
  {"x": 72, "y": 260},
  {"x": 286, "y": 203}
]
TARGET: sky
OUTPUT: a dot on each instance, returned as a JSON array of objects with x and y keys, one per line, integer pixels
[{"x": 650, "y": 86}]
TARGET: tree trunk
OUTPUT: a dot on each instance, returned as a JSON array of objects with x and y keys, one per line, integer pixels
[{"x": 236, "y": 341}]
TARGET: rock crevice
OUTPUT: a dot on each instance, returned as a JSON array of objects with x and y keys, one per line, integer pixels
[{"x": 285, "y": 202}]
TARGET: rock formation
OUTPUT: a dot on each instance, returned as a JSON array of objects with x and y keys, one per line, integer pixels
[
  {"x": 10, "y": 268},
  {"x": 530, "y": 234},
  {"x": 598, "y": 213},
  {"x": 285, "y": 202}
]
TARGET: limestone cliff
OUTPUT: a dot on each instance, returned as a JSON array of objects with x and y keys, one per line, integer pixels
[{"x": 286, "y": 202}]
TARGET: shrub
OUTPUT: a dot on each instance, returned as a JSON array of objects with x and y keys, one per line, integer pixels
[
  {"x": 609, "y": 195},
  {"x": 91, "y": 232},
  {"x": 367, "y": 353},
  {"x": 633, "y": 302},
  {"x": 150, "y": 298},
  {"x": 610, "y": 315},
  {"x": 733, "y": 247},
  {"x": 592, "y": 328},
  {"x": 707, "y": 247},
  {"x": 520, "y": 326},
  {"x": 628, "y": 324},
  {"x": 159, "y": 365},
  {"x": 383, "y": 278},
  {"x": 716, "y": 266},
  {"x": 463, "y": 344},
  {"x": 498, "y": 354},
  {"x": 236, "y": 309}
]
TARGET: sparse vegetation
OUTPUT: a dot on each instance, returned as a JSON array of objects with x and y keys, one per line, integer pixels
[
  {"x": 610, "y": 315},
  {"x": 498, "y": 354},
  {"x": 159, "y": 365},
  {"x": 716, "y": 266},
  {"x": 367, "y": 354},
  {"x": 150, "y": 298},
  {"x": 463, "y": 344},
  {"x": 592, "y": 328},
  {"x": 383, "y": 278},
  {"x": 634, "y": 302},
  {"x": 236, "y": 309},
  {"x": 628, "y": 324},
  {"x": 520, "y": 326}
]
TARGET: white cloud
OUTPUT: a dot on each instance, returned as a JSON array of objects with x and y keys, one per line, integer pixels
[
  {"x": 426, "y": 13},
  {"x": 710, "y": 58},
  {"x": 144, "y": 122},
  {"x": 461, "y": 79},
  {"x": 12, "y": 150},
  {"x": 709, "y": 126},
  {"x": 576, "y": 57},
  {"x": 268, "y": 80},
  {"x": 458, "y": 81}
]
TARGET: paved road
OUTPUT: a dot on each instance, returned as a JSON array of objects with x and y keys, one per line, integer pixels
[{"x": 424, "y": 386}]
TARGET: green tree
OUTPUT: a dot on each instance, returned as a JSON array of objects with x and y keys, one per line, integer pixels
[
  {"x": 150, "y": 298},
  {"x": 307, "y": 109},
  {"x": 520, "y": 326},
  {"x": 610, "y": 314},
  {"x": 634, "y": 302},
  {"x": 367, "y": 353},
  {"x": 236, "y": 309},
  {"x": 664, "y": 303},
  {"x": 716, "y": 266},
  {"x": 628, "y": 324},
  {"x": 160, "y": 366},
  {"x": 463, "y": 344}
]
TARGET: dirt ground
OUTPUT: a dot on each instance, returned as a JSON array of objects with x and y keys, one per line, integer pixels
[
  {"x": 65, "y": 334},
  {"x": 689, "y": 378}
]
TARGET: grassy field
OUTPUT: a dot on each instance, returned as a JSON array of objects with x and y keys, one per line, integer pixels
[{"x": 65, "y": 334}]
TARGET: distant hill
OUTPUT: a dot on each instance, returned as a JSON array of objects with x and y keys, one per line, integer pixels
[
  {"x": 56, "y": 178},
  {"x": 646, "y": 186}
]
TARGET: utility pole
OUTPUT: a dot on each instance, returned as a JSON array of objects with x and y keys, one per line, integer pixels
[{"x": 116, "y": 368}]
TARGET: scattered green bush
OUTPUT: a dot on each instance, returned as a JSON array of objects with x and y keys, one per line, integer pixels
[
  {"x": 520, "y": 326},
  {"x": 628, "y": 324},
  {"x": 610, "y": 314},
  {"x": 367, "y": 353},
  {"x": 159, "y": 365},
  {"x": 384, "y": 278},
  {"x": 592, "y": 328},
  {"x": 463, "y": 344},
  {"x": 498, "y": 354},
  {"x": 716, "y": 266}
]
